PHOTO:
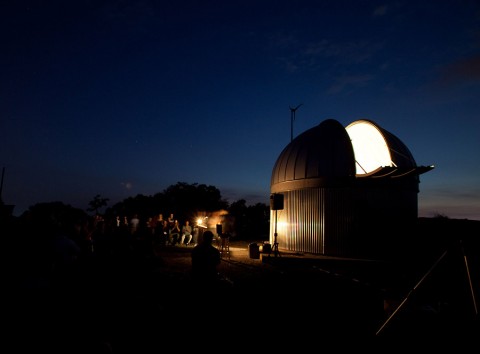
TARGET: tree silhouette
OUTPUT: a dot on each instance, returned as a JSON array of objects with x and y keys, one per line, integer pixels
[
  {"x": 97, "y": 203},
  {"x": 185, "y": 200}
]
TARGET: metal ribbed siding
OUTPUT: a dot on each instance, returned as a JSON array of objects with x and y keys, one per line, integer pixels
[{"x": 315, "y": 220}]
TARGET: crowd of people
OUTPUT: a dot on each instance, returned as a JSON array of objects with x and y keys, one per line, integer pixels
[
  {"x": 59, "y": 244},
  {"x": 161, "y": 231},
  {"x": 98, "y": 235},
  {"x": 93, "y": 264}
]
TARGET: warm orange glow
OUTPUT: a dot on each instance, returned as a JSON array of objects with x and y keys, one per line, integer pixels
[
  {"x": 209, "y": 220},
  {"x": 369, "y": 146}
]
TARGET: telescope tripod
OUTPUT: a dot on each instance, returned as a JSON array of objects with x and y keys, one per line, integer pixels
[{"x": 275, "y": 250}]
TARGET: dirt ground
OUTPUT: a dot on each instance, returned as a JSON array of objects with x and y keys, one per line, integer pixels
[{"x": 144, "y": 300}]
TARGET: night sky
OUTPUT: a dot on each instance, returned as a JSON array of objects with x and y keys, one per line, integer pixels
[{"x": 121, "y": 98}]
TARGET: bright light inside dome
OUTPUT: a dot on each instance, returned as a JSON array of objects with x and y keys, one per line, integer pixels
[{"x": 369, "y": 146}]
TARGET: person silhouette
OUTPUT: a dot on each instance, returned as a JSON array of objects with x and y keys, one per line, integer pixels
[{"x": 205, "y": 259}]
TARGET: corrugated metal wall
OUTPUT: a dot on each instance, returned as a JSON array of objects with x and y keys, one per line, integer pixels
[
  {"x": 306, "y": 224},
  {"x": 344, "y": 221}
]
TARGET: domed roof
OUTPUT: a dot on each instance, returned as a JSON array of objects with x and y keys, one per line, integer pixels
[
  {"x": 320, "y": 156},
  {"x": 330, "y": 155}
]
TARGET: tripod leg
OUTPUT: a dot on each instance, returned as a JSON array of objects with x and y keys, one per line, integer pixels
[
  {"x": 276, "y": 252},
  {"x": 469, "y": 279},
  {"x": 410, "y": 293}
]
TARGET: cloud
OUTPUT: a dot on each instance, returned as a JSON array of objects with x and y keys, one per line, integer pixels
[
  {"x": 465, "y": 70},
  {"x": 456, "y": 203},
  {"x": 321, "y": 54},
  {"x": 349, "y": 81},
  {"x": 348, "y": 52}
]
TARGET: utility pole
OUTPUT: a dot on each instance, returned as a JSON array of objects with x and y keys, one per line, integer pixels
[
  {"x": 292, "y": 118},
  {"x": 1, "y": 184}
]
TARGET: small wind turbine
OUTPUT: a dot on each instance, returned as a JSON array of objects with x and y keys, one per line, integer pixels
[{"x": 292, "y": 118}]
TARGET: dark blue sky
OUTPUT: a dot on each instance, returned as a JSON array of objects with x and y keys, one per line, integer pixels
[{"x": 121, "y": 98}]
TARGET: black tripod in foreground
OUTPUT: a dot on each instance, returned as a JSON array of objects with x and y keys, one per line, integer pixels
[{"x": 470, "y": 286}]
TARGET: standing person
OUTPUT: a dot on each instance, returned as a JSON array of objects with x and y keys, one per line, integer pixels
[
  {"x": 158, "y": 236},
  {"x": 186, "y": 233},
  {"x": 205, "y": 260},
  {"x": 195, "y": 234},
  {"x": 151, "y": 225},
  {"x": 134, "y": 223}
]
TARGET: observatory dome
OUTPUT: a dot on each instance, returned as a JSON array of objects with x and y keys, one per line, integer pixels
[
  {"x": 330, "y": 155},
  {"x": 319, "y": 157}
]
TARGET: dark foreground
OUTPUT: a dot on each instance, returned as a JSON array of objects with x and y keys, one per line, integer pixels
[{"x": 144, "y": 300}]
